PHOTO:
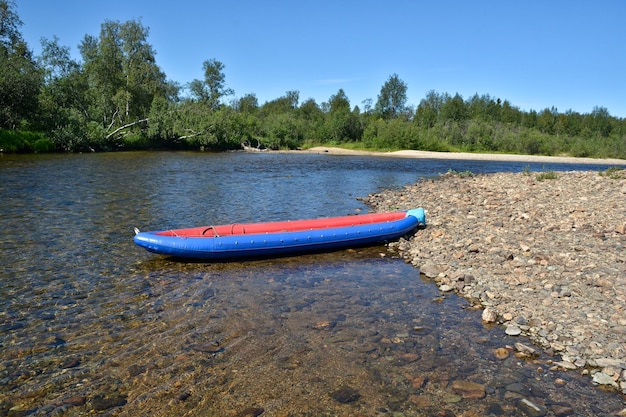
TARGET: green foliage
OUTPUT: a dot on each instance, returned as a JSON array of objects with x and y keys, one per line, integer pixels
[
  {"x": 460, "y": 174},
  {"x": 614, "y": 173},
  {"x": 392, "y": 98},
  {"x": 122, "y": 80},
  {"x": 24, "y": 141},
  {"x": 547, "y": 175},
  {"x": 212, "y": 88},
  {"x": 20, "y": 78},
  {"x": 43, "y": 145}
]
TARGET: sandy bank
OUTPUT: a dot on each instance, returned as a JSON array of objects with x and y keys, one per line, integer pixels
[{"x": 467, "y": 156}]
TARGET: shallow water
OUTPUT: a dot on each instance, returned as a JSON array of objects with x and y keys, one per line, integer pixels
[{"x": 89, "y": 323}]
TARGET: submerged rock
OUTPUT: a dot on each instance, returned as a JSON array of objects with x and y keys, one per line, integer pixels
[{"x": 345, "y": 395}]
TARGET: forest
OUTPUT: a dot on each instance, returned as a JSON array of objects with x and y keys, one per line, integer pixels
[{"x": 117, "y": 98}]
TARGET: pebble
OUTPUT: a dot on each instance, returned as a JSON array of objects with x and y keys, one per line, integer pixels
[
  {"x": 469, "y": 389},
  {"x": 501, "y": 353},
  {"x": 345, "y": 395},
  {"x": 604, "y": 379},
  {"x": 489, "y": 315},
  {"x": 75, "y": 401},
  {"x": 531, "y": 409},
  {"x": 513, "y": 330},
  {"x": 101, "y": 403},
  {"x": 251, "y": 412},
  {"x": 547, "y": 252},
  {"x": 561, "y": 410}
]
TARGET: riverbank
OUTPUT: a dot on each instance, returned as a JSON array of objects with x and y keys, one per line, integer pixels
[
  {"x": 543, "y": 255},
  {"x": 466, "y": 156}
]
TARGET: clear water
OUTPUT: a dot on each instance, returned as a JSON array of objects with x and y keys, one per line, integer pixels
[{"x": 91, "y": 324}]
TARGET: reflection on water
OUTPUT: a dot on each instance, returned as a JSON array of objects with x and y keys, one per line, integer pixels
[{"x": 91, "y": 324}]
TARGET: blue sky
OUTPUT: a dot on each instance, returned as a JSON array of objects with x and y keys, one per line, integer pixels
[{"x": 536, "y": 54}]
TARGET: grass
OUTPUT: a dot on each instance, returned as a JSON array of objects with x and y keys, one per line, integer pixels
[
  {"x": 547, "y": 175},
  {"x": 614, "y": 173},
  {"x": 460, "y": 174}
]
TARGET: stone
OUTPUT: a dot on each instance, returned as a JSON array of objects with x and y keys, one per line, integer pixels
[
  {"x": 565, "y": 365},
  {"x": 251, "y": 412},
  {"x": 531, "y": 409},
  {"x": 561, "y": 410},
  {"x": 501, "y": 353},
  {"x": 101, "y": 403},
  {"x": 525, "y": 349},
  {"x": 430, "y": 270},
  {"x": 75, "y": 401},
  {"x": 489, "y": 315},
  {"x": 604, "y": 379},
  {"x": 513, "y": 330},
  {"x": 345, "y": 395},
  {"x": 418, "y": 382},
  {"x": 421, "y": 401},
  {"x": 469, "y": 389},
  {"x": 610, "y": 362}
]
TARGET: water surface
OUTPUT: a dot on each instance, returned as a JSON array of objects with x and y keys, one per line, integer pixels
[{"x": 89, "y": 323}]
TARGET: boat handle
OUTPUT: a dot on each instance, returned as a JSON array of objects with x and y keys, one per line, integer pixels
[{"x": 209, "y": 228}]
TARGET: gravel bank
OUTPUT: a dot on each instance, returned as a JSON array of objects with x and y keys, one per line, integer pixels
[{"x": 544, "y": 257}]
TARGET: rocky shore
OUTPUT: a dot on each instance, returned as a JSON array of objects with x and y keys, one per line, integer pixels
[{"x": 544, "y": 254}]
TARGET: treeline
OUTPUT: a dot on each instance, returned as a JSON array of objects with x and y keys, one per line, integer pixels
[{"x": 117, "y": 98}]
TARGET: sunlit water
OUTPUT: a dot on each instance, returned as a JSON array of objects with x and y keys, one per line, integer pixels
[{"x": 89, "y": 323}]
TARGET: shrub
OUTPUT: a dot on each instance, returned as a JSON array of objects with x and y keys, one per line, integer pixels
[{"x": 547, "y": 175}]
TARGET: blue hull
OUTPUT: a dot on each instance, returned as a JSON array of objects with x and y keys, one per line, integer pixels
[{"x": 279, "y": 244}]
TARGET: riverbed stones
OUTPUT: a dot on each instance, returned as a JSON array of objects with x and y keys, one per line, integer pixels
[{"x": 547, "y": 257}]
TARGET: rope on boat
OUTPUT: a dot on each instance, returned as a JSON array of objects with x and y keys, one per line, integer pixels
[{"x": 209, "y": 228}]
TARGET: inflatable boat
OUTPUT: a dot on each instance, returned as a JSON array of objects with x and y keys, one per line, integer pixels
[{"x": 272, "y": 239}]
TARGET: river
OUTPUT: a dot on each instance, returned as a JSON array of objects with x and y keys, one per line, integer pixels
[{"x": 92, "y": 324}]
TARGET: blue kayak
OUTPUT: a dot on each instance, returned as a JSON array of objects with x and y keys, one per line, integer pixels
[{"x": 272, "y": 239}]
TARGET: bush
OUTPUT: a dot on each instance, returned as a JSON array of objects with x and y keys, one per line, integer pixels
[
  {"x": 43, "y": 145},
  {"x": 135, "y": 141},
  {"x": 24, "y": 141}
]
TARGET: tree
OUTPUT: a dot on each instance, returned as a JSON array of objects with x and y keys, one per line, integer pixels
[
  {"x": 341, "y": 124},
  {"x": 367, "y": 105},
  {"x": 428, "y": 110},
  {"x": 212, "y": 88},
  {"x": 284, "y": 104},
  {"x": 247, "y": 104},
  {"x": 546, "y": 120},
  {"x": 312, "y": 118},
  {"x": 20, "y": 78},
  {"x": 123, "y": 78},
  {"x": 56, "y": 61},
  {"x": 63, "y": 108},
  {"x": 339, "y": 102},
  {"x": 454, "y": 109},
  {"x": 392, "y": 98},
  {"x": 143, "y": 79},
  {"x": 600, "y": 121}
]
